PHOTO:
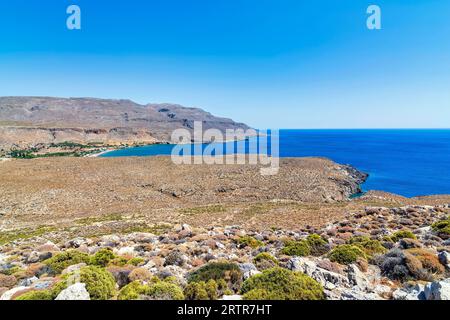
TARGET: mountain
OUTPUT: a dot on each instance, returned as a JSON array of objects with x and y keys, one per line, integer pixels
[{"x": 28, "y": 121}]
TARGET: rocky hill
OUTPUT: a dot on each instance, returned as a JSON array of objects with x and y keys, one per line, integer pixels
[{"x": 26, "y": 122}]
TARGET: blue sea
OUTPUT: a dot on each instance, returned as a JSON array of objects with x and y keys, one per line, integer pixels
[{"x": 405, "y": 162}]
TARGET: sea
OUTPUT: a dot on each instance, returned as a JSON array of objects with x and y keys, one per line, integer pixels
[{"x": 408, "y": 162}]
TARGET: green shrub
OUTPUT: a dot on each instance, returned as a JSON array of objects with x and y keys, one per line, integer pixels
[
  {"x": 318, "y": 245},
  {"x": 248, "y": 241},
  {"x": 442, "y": 228},
  {"x": 132, "y": 291},
  {"x": 210, "y": 290},
  {"x": 136, "y": 261},
  {"x": 296, "y": 248},
  {"x": 265, "y": 261},
  {"x": 164, "y": 291},
  {"x": 227, "y": 271},
  {"x": 99, "y": 283},
  {"x": 402, "y": 234},
  {"x": 196, "y": 291},
  {"x": 102, "y": 257},
  {"x": 281, "y": 284},
  {"x": 36, "y": 295},
  {"x": 62, "y": 260},
  {"x": 346, "y": 254},
  {"x": 369, "y": 246}
]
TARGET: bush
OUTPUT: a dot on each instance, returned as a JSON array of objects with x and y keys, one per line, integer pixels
[
  {"x": 136, "y": 261},
  {"x": 346, "y": 254},
  {"x": 102, "y": 257},
  {"x": 99, "y": 283},
  {"x": 157, "y": 290},
  {"x": 402, "y": 234},
  {"x": 369, "y": 246},
  {"x": 132, "y": 291},
  {"x": 196, "y": 291},
  {"x": 265, "y": 261},
  {"x": 429, "y": 260},
  {"x": 281, "y": 284},
  {"x": 229, "y": 272},
  {"x": 62, "y": 260},
  {"x": 248, "y": 241},
  {"x": 296, "y": 248},
  {"x": 36, "y": 295},
  {"x": 7, "y": 281},
  {"x": 411, "y": 264},
  {"x": 140, "y": 274},
  {"x": 318, "y": 245},
  {"x": 164, "y": 290},
  {"x": 210, "y": 290},
  {"x": 442, "y": 228}
]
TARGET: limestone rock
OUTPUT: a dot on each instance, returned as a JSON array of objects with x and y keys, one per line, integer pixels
[{"x": 76, "y": 291}]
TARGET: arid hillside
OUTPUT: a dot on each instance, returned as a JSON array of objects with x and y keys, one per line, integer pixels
[{"x": 28, "y": 122}]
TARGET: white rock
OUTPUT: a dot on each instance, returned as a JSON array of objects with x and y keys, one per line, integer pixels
[
  {"x": 126, "y": 251},
  {"x": 28, "y": 281},
  {"x": 438, "y": 290},
  {"x": 8, "y": 294},
  {"x": 76, "y": 291},
  {"x": 326, "y": 278},
  {"x": 412, "y": 293},
  {"x": 74, "y": 267},
  {"x": 357, "y": 278}
]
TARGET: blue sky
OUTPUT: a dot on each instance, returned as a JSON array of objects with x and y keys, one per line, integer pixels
[{"x": 271, "y": 64}]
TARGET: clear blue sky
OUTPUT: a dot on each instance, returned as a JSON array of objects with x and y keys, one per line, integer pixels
[{"x": 271, "y": 64}]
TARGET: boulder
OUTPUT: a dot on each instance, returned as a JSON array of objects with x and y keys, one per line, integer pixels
[
  {"x": 444, "y": 258},
  {"x": 409, "y": 293},
  {"x": 329, "y": 280},
  {"x": 10, "y": 293},
  {"x": 357, "y": 278},
  {"x": 76, "y": 291},
  {"x": 438, "y": 290}
]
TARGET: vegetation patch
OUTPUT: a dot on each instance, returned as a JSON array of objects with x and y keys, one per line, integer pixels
[
  {"x": 265, "y": 261},
  {"x": 346, "y": 254},
  {"x": 281, "y": 284},
  {"x": 62, "y": 260},
  {"x": 296, "y": 248},
  {"x": 402, "y": 234},
  {"x": 23, "y": 234},
  {"x": 248, "y": 241},
  {"x": 442, "y": 228},
  {"x": 229, "y": 272}
]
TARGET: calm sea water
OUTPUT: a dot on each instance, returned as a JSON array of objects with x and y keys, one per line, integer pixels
[{"x": 405, "y": 162}]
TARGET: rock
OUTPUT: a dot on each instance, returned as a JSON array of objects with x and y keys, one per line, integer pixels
[
  {"x": 353, "y": 294},
  {"x": 234, "y": 297},
  {"x": 7, "y": 281},
  {"x": 409, "y": 293},
  {"x": 126, "y": 251},
  {"x": 48, "y": 247},
  {"x": 10, "y": 293},
  {"x": 357, "y": 278},
  {"x": 444, "y": 258},
  {"x": 328, "y": 279},
  {"x": 75, "y": 243},
  {"x": 76, "y": 291},
  {"x": 175, "y": 258},
  {"x": 28, "y": 281},
  {"x": 74, "y": 267},
  {"x": 33, "y": 257},
  {"x": 248, "y": 270},
  {"x": 438, "y": 290}
]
